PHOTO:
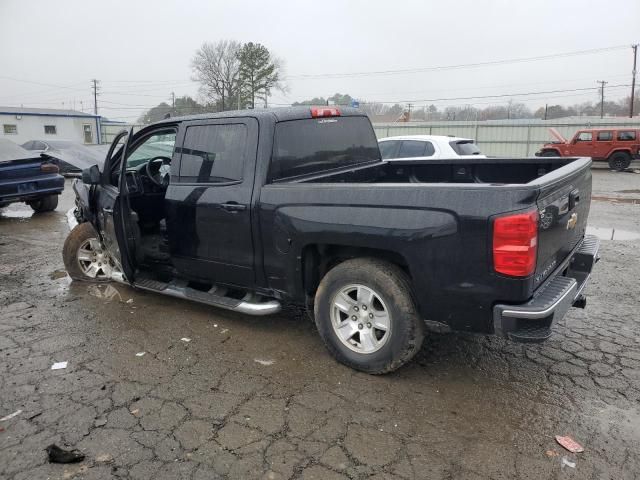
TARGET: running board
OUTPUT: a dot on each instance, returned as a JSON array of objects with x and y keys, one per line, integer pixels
[{"x": 250, "y": 304}]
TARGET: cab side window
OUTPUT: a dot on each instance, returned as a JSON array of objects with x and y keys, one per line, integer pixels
[
  {"x": 584, "y": 137},
  {"x": 626, "y": 136},
  {"x": 604, "y": 136},
  {"x": 213, "y": 153}
]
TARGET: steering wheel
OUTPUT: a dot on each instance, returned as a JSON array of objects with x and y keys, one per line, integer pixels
[{"x": 158, "y": 170}]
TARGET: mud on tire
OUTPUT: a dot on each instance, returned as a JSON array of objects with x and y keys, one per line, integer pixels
[
  {"x": 392, "y": 286},
  {"x": 78, "y": 237}
]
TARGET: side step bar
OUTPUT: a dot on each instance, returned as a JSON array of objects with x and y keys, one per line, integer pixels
[{"x": 250, "y": 304}]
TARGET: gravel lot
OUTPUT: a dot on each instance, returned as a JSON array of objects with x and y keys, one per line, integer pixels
[{"x": 260, "y": 398}]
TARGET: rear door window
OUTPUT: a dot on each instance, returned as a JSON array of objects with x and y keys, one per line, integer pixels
[
  {"x": 626, "y": 135},
  {"x": 315, "y": 145},
  {"x": 411, "y": 149},
  {"x": 604, "y": 136},
  {"x": 213, "y": 153}
]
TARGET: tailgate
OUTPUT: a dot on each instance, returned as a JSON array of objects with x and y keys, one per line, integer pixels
[{"x": 563, "y": 204}]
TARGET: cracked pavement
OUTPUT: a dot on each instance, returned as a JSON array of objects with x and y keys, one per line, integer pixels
[{"x": 260, "y": 398}]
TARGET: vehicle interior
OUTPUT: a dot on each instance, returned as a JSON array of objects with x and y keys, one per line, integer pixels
[{"x": 147, "y": 178}]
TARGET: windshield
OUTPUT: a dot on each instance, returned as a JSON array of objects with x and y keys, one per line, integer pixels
[
  {"x": 303, "y": 147},
  {"x": 465, "y": 147},
  {"x": 157, "y": 145}
]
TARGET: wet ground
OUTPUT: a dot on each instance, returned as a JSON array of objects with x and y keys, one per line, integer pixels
[{"x": 166, "y": 389}]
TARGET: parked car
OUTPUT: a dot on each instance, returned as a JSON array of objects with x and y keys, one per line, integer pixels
[
  {"x": 427, "y": 147},
  {"x": 618, "y": 146},
  {"x": 257, "y": 207},
  {"x": 71, "y": 157},
  {"x": 26, "y": 177}
]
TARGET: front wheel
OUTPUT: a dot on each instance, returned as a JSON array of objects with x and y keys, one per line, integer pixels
[
  {"x": 366, "y": 315},
  {"x": 44, "y": 204},
  {"x": 619, "y": 161},
  {"x": 83, "y": 255}
]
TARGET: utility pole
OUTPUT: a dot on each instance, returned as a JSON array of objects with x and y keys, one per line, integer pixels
[
  {"x": 602, "y": 84},
  {"x": 173, "y": 100},
  {"x": 546, "y": 108},
  {"x": 409, "y": 106},
  {"x": 633, "y": 79},
  {"x": 95, "y": 95}
]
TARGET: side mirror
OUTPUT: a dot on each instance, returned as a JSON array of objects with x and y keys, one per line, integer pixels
[{"x": 91, "y": 175}]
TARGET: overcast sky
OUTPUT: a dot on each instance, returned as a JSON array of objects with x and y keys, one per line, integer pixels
[{"x": 141, "y": 50}]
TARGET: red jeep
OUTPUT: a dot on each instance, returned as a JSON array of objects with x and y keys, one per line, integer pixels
[{"x": 618, "y": 146}]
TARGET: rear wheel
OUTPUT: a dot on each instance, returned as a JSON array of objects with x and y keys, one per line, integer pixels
[
  {"x": 366, "y": 316},
  {"x": 84, "y": 257},
  {"x": 44, "y": 204},
  {"x": 619, "y": 161}
]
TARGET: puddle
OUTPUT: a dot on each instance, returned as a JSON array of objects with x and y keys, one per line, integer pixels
[
  {"x": 16, "y": 211},
  {"x": 602, "y": 198},
  {"x": 104, "y": 292},
  {"x": 605, "y": 233}
]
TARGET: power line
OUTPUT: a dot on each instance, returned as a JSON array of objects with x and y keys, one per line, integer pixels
[
  {"x": 491, "y": 96},
  {"x": 459, "y": 66}
]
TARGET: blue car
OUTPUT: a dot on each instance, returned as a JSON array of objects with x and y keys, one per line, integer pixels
[{"x": 28, "y": 177}]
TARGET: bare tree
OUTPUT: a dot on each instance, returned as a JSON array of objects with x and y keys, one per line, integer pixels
[{"x": 216, "y": 67}]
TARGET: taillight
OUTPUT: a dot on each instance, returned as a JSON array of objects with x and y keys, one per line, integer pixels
[
  {"x": 49, "y": 168},
  {"x": 515, "y": 243},
  {"x": 324, "y": 112}
]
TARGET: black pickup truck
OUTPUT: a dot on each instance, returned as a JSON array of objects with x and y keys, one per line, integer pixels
[{"x": 244, "y": 210}]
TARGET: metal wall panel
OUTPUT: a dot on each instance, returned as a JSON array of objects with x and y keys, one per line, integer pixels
[{"x": 516, "y": 138}]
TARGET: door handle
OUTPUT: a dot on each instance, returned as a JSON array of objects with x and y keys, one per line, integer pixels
[{"x": 233, "y": 206}]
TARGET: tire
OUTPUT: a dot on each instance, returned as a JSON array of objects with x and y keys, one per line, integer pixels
[
  {"x": 79, "y": 261},
  {"x": 619, "y": 161},
  {"x": 44, "y": 204},
  {"x": 550, "y": 153},
  {"x": 389, "y": 290}
]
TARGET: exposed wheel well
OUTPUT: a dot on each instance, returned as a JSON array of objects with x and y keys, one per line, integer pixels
[
  {"x": 318, "y": 259},
  {"x": 625, "y": 151}
]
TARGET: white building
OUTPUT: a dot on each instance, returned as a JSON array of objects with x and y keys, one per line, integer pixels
[{"x": 23, "y": 124}]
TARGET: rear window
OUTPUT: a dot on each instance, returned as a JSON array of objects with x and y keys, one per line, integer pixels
[
  {"x": 465, "y": 147},
  {"x": 626, "y": 136},
  {"x": 303, "y": 147}
]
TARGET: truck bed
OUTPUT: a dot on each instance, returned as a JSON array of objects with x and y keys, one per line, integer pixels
[
  {"x": 438, "y": 217},
  {"x": 460, "y": 170}
]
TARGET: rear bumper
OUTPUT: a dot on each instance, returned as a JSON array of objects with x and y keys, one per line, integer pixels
[
  {"x": 23, "y": 190},
  {"x": 532, "y": 321}
]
